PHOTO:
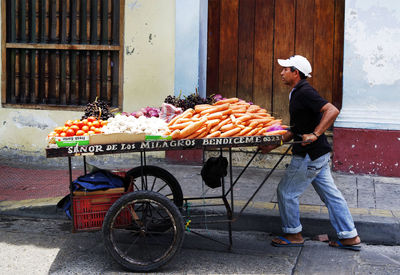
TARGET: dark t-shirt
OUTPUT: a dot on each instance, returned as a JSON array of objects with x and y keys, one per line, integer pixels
[{"x": 304, "y": 108}]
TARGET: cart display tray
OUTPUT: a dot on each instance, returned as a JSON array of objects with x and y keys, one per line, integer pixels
[
  {"x": 162, "y": 145},
  {"x": 116, "y": 138}
]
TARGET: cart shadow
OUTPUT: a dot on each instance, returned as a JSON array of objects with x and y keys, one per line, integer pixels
[
  {"x": 84, "y": 252},
  {"x": 251, "y": 252}
]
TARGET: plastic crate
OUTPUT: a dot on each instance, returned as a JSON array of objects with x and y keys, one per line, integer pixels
[
  {"x": 90, "y": 210},
  {"x": 120, "y": 173}
]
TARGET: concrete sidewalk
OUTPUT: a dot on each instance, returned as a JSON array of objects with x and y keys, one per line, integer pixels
[{"x": 373, "y": 201}]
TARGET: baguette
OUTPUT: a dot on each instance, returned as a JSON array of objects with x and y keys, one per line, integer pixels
[
  {"x": 201, "y": 107},
  {"x": 276, "y": 133},
  {"x": 228, "y": 100},
  {"x": 214, "y": 134},
  {"x": 231, "y": 133},
  {"x": 227, "y": 127},
  {"x": 193, "y": 127},
  {"x": 245, "y": 131},
  {"x": 214, "y": 109},
  {"x": 175, "y": 134}
]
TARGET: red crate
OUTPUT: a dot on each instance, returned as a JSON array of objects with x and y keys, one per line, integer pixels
[
  {"x": 120, "y": 173},
  {"x": 90, "y": 210}
]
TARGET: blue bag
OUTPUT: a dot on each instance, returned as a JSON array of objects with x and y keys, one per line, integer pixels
[{"x": 98, "y": 180}]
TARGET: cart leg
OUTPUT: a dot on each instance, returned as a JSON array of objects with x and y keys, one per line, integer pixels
[
  {"x": 229, "y": 207},
  {"x": 71, "y": 195},
  {"x": 84, "y": 165},
  {"x": 230, "y": 216}
]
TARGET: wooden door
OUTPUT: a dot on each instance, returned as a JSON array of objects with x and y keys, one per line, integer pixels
[{"x": 246, "y": 37}]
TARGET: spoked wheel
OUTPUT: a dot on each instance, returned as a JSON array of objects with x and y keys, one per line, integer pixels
[
  {"x": 158, "y": 180},
  {"x": 129, "y": 235}
]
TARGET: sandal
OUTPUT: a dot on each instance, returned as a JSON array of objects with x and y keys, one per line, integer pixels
[
  {"x": 342, "y": 246},
  {"x": 287, "y": 244}
]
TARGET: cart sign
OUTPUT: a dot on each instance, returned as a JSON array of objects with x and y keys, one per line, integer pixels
[{"x": 162, "y": 145}]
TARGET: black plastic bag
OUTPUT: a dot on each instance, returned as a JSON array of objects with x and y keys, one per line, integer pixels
[{"x": 214, "y": 169}]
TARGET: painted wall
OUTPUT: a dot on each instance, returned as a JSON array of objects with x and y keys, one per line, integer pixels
[
  {"x": 149, "y": 66},
  {"x": 371, "y": 79},
  {"x": 367, "y": 132},
  {"x": 187, "y": 46},
  {"x": 191, "y": 46},
  {"x": 149, "y": 52}
]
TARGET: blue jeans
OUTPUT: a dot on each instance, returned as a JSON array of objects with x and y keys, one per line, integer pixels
[{"x": 299, "y": 174}]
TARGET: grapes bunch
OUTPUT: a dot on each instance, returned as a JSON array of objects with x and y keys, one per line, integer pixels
[
  {"x": 171, "y": 100},
  {"x": 189, "y": 101},
  {"x": 99, "y": 109}
]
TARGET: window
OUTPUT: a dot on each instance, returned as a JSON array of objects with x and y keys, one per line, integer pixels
[{"x": 61, "y": 53}]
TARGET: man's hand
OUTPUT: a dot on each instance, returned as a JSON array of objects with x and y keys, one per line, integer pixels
[
  {"x": 308, "y": 138},
  {"x": 265, "y": 149}
]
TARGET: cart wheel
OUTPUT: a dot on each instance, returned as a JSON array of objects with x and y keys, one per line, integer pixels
[
  {"x": 134, "y": 244},
  {"x": 158, "y": 180}
]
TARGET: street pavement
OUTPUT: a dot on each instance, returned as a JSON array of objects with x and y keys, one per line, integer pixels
[
  {"x": 46, "y": 246},
  {"x": 33, "y": 189}
]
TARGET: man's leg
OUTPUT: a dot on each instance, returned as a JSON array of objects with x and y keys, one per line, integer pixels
[
  {"x": 291, "y": 186},
  {"x": 339, "y": 212}
]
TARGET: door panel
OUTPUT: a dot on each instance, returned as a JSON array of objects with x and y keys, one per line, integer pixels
[
  {"x": 283, "y": 48},
  {"x": 246, "y": 50},
  {"x": 263, "y": 53},
  {"x": 228, "y": 48},
  {"x": 246, "y": 37}
]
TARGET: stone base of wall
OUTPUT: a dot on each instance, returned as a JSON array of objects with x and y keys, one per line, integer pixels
[
  {"x": 185, "y": 156},
  {"x": 365, "y": 151},
  {"x": 240, "y": 157}
]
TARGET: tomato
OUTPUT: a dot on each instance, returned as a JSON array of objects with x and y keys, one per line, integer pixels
[
  {"x": 96, "y": 124},
  {"x": 104, "y": 123},
  {"x": 58, "y": 129},
  {"x": 63, "y": 134},
  {"x": 79, "y": 133},
  {"x": 91, "y": 132},
  {"x": 85, "y": 128},
  {"x": 70, "y": 132},
  {"x": 52, "y": 134},
  {"x": 79, "y": 123},
  {"x": 93, "y": 128},
  {"x": 97, "y": 131},
  {"x": 84, "y": 121},
  {"x": 74, "y": 127},
  {"x": 91, "y": 119},
  {"x": 69, "y": 123},
  {"x": 89, "y": 124}
]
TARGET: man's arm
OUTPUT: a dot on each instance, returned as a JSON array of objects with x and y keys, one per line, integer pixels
[
  {"x": 329, "y": 115},
  {"x": 267, "y": 148}
]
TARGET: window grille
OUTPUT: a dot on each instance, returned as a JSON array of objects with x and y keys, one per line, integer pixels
[{"x": 61, "y": 53}]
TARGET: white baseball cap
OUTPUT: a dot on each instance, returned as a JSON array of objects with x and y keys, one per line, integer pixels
[{"x": 299, "y": 62}]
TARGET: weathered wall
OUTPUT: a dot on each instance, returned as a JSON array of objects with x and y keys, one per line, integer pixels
[
  {"x": 371, "y": 79},
  {"x": 149, "y": 53},
  {"x": 367, "y": 131}
]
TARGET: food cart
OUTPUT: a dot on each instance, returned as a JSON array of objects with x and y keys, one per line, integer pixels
[{"x": 143, "y": 226}]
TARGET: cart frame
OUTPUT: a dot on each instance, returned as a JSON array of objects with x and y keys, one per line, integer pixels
[{"x": 227, "y": 195}]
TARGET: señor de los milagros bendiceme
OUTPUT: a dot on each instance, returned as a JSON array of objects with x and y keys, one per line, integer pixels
[{"x": 173, "y": 144}]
